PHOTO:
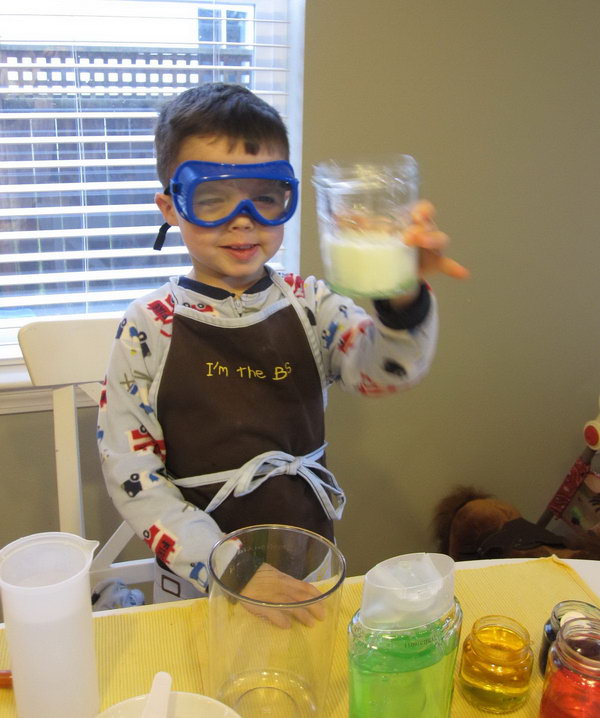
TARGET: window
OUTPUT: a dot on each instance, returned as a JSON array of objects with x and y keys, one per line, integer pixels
[
  {"x": 226, "y": 24},
  {"x": 81, "y": 84}
]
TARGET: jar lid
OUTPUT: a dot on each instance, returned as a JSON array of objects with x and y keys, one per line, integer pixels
[{"x": 408, "y": 591}]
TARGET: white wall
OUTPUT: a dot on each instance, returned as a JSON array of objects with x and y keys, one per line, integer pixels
[{"x": 498, "y": 101}]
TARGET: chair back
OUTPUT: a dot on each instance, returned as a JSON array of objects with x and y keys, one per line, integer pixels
[
  {"x": 67, "y": 351},
  {"x": 67, "y": 355}
]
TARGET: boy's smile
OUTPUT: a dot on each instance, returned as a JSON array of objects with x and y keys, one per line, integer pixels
[{"x": 232, "y": 255}]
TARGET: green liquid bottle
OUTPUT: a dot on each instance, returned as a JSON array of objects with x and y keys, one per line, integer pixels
[{"x": 404, "y": 672}]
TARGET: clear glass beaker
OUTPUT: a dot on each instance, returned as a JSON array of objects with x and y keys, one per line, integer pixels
[
  {"x": 46, "y": 597},
  {"x": 362, "y": 211},
  {"x": 271, "y": 656}
]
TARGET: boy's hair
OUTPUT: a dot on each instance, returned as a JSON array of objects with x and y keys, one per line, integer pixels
[{"x": 221, "y": 110}]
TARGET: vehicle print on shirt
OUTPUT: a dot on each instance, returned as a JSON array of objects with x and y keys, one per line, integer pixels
[
  {"x": 347, "y": 339},
  {"x": 329, "y": 334},
  {"x": 368, "y": 387},
  {"x": 138, "y": 482},
  {"x": 200, "y": 307},
  {"x": 134, "y": 340},
  {"x": 161, "y": 542},
  {"x": 135, "y": 377},
  {"x": 296, "y": 283},
  {"x": 199, "y": 573},
  {"x": 140, "y": 440},
  {"x": 163, "y": 312},
  {"x": 142, "y": 341},
  {"x": 391, "y": 366},
  {"x": 122, "y": 325},
  {"x": 133, "y": 388}
]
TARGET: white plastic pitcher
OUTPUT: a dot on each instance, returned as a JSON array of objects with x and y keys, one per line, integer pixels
[{"x": 46, "y": 597}]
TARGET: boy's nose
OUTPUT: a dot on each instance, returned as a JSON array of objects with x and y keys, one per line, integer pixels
[{"x": 242, "y": 222}]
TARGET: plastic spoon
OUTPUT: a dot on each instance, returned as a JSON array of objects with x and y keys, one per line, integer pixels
[{"x": 157, "y": 703}]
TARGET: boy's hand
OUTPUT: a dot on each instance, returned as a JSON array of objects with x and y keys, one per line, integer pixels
[
  {"x": 272, "y": 586},
  {"x": 423, "y": 233}
]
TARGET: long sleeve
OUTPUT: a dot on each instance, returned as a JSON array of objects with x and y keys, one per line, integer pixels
[{"x": 132, "y": 447}]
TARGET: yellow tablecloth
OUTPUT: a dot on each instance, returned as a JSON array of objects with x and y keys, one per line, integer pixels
[{"x": 133, "y": 644}]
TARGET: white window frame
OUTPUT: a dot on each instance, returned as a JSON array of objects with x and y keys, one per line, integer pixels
[
  {"x": 223, "y": 10},
  {"x": 16, "y": 392}
]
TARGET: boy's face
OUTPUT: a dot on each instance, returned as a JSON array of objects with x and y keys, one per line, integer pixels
[{"x": 232, "y": 255}]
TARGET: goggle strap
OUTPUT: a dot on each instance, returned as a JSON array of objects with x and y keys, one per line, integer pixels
[{"x": 161, "y": 236}]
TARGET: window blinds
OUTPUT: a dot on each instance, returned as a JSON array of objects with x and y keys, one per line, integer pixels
[{"x": 80, "y": 88}]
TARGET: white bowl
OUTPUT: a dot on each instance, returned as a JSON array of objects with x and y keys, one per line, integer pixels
[{"x": 181, "y": 705}]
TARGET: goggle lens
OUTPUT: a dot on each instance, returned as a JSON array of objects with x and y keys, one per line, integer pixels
[
  {"x": 215, "y": 200},
  {"x": 210, "y": 193}
]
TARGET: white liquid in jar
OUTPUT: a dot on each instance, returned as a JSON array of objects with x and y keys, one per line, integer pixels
[{"x": 370, "y": 264}]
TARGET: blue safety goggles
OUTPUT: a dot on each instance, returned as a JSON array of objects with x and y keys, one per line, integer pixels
[{"x": 209, "y": 194}]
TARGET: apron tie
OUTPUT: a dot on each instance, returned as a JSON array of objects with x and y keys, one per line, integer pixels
[{"x": 259, "y": 469}]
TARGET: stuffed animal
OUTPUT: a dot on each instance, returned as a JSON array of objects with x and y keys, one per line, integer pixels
[{"x": 471, "y": 524}]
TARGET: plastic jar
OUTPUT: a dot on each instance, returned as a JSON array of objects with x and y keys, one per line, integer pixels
[
  {"x": 552, "y": 625},
  {"x": 572, "y": 680},
  {"x": 496, "y": 665},
  {"x": 406, "y": 672},
  {"x": 404, "y": 639}
]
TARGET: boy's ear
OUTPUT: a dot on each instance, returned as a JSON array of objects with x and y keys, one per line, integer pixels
[{"x": 165, "y": 205}]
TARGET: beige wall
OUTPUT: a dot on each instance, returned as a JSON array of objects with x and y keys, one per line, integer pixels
[{"x": 498, "y": 100}]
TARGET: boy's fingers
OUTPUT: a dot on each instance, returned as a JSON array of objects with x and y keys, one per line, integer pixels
[
  {"x": 272, "y": 586},
  {"x": 423, "y": 212},
  {"x": 452, "y": 268},
  {"x": 274, "y": 615},
  {"x": 283, "y": 617},
  {"x": 279, "y": 618},
  {"x": 416, "y": 236},
  {"x": 302, "y": 591},
  {"x": 304, "y": 616},
  {"x": 434, "y": 261}
]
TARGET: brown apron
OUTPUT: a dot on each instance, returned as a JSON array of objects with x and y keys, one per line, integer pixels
[{"x": 233, "y": 389}]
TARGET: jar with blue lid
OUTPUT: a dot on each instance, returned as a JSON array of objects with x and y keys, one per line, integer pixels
[{"x": 562, "y": 612}]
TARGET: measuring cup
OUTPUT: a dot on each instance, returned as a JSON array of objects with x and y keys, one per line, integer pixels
[
  {"x": 46, "y": 597},
  {"x": 362, "y": 211},
  {"x": 263, "y": 660}
]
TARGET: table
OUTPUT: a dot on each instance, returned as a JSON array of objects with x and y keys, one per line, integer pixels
[{"x": 133, "y": 643}]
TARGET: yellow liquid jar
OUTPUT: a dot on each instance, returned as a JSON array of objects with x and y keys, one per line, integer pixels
[{"x": 496, "y": 665}]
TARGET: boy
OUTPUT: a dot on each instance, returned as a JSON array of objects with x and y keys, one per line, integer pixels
[{"x": 213, "y": 417}]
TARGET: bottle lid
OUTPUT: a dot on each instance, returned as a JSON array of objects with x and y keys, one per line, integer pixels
[{"x": 407, "y": 591}]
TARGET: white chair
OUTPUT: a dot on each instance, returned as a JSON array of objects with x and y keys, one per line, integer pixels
[{"x": 66, "y": 354}]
